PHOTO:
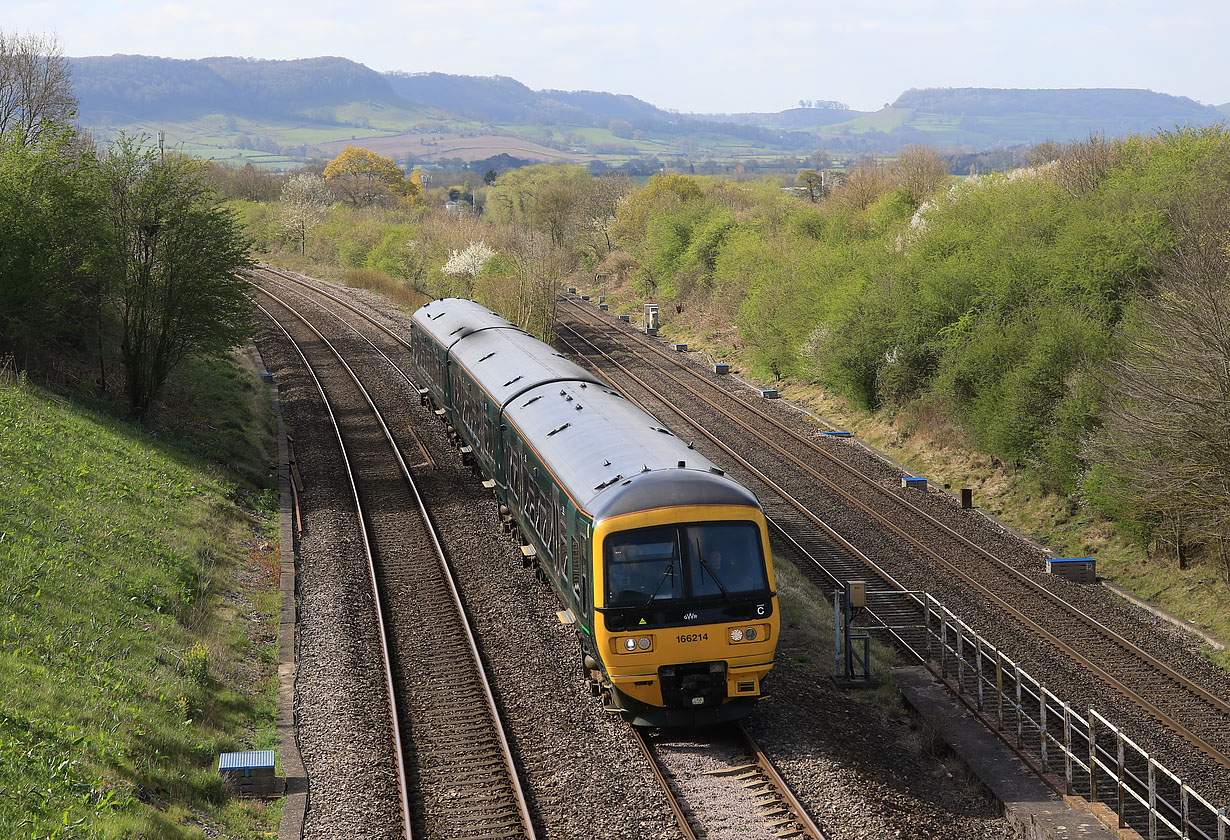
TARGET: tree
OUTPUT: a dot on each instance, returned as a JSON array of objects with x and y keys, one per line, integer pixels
[
  {"x": 919, "y": 170},
  {"x": 54, "y": 241},
  {"x": 36, "y": 87},
  {"x": 1164, "y": 438},
  {"x": 305, "y": 202},
  {"x": 813, "y": 182},
  {"x": 364, "y": 177},
  {"x": 179, "y": 263}
]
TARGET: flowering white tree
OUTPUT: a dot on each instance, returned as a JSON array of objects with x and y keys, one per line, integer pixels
[
  {"x": 305, "y": 200},
  {"x": 469, "y": 261}
]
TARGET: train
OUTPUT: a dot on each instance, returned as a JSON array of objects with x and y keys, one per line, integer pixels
[{"x": 660, "y": 561}]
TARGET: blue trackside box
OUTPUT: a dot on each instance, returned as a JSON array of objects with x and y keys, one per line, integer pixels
[
  {"x": 914, "y": 483},
  {"x": 770, "y": 394},
  {"x": 721, "y": 367},
  {"x": 250, "y": 773},
  {"x": 1078, "y": 569},
  {"x": 681, "y": 347}
]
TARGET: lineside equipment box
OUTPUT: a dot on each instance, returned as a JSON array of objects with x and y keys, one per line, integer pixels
[
  {"x": 250, "y": 773},
  {"x": 1077, "y": 569}
]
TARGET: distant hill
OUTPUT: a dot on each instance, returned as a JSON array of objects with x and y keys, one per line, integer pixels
[
  {"x": 499, "y": 99},
  {"x": 1085, "y": 103},
  {"x": 280, "y": 113},
  {"x": 144, "y": 86}
]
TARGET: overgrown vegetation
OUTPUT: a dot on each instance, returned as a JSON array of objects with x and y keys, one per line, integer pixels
[
  {"x": 123, "y": 670},
  {"x": 138, "y": 596}
]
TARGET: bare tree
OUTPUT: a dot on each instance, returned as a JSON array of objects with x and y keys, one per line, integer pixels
[
  {"x": 36, "y": 87},
  {"x": 919, "y": 170},
  {"x": 539, "y": 266},
  {"x": 1166, "y": 427}
]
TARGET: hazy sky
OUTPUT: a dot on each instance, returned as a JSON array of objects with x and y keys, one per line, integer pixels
[{"x": 712, "y": 56}]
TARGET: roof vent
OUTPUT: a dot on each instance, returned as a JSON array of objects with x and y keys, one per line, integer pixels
[
  {"x": 682, "y": 464},
  {"x": 558, "y": 430},
  {"x": 606, "y": 463},
  {"x": 530, "y": 400},
  {"x": 511, "y": 381},
  {"x": 691, "y": 445},
  {"x": 459, "y": 329},
  {"x": 583, "y": 385},
  {"x": 579, "y": 406},
  {"x": 644, "y": 468},
  {"x": 716, "y": 471},
  {"x": 488, "y": 356}
]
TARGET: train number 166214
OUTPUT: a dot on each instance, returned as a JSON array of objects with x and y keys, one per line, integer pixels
[{"x": 693, "y": 637}]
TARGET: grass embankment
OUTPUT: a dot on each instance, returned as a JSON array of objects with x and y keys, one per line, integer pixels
[
  {"x": 926, "y": 443},
  {"x": 138, "y": 611}
]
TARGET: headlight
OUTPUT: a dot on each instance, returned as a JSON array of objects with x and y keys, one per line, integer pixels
[
  {"x": 736, "y": 635},
  {"x": 629, "y": 644},
  {"x": 642, "y": 643},
  {"x": 749, "y": 634}
]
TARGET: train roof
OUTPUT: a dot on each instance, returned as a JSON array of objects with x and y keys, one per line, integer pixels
[
  {"x": 612, "y": 457},
  {"x": 607, "y": 453},
  {"x": 451, "y": 319},
  {"x": 509, "y": 362}
]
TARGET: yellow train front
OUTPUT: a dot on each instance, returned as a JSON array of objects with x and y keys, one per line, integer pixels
[
  {"x": 689, "y": 620},
  {"x": 660, "y": 561}
]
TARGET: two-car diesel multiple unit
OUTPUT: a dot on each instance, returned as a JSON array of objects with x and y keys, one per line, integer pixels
[{"x": 661, "y": 561}]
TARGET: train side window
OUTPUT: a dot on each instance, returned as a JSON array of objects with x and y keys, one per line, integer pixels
[{"x": 585, "y": 566}]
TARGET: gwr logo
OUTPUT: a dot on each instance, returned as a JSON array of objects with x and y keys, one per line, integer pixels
[{"x": 690, "y": 617}]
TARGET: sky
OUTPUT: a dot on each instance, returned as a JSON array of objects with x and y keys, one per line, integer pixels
[{"x": 716, "y": 56}]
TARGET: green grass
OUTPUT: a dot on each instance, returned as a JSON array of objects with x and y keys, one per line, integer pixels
[{"x": 123, "y": 671}]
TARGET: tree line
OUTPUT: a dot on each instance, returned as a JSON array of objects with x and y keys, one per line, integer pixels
[{"x": 123, "y": 255}]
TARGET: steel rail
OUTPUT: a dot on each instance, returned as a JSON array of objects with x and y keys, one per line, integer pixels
[
  {"x": 1139, "y": 699},
  {"x": 685, "y": 825},
  {"x": 480, "y": 670},
  {"x": 402, "y": 788}
]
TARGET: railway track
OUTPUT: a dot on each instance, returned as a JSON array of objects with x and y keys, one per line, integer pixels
[
  {"x": 456, "y": 773},
  {"x": 724, "y": 786},
  {"x": 1194, "y": 712},
  {"x": 795, "y": 521}
]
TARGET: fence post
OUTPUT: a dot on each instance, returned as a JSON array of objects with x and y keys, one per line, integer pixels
[
  {"x": 1119, "y": 775},
  {"x": 960, "y": 660},
  {"x": 1020, "y": 717},
  {"x": 1152, "y": 799},
  {"x": 1186, "y": 814},
  {"x": 1221, "y": 824},
  {"x": 837, "y": 663},
  {"x": 943, "y": 646},
  {"x": 927, "y": 625},
  {"x": 978, "y": 669},
  {"x": 999, "y": 687},
  {"x": 1042, "y": 745},
  {"x": 1067, "y": 748},
  {"x": 1093, "y": 758}
]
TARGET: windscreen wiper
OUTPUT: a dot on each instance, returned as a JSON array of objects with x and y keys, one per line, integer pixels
[
  {"x": 704, "y": 563},
  {"x": 670, "y": 572}
]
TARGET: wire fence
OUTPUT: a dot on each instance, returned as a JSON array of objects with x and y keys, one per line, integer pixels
[{"x": 1082, "y": 751}]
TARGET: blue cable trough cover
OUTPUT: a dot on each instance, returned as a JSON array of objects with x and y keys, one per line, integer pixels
[
  {"x": 914, "y": 483},
  {"x": 246, "y": 761},
  {"x": 838, "y": 433}
]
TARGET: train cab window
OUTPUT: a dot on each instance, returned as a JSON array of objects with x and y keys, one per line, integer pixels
[
  {"x": 643, "y": 566},
  {"x": 711, "y": 559}
]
